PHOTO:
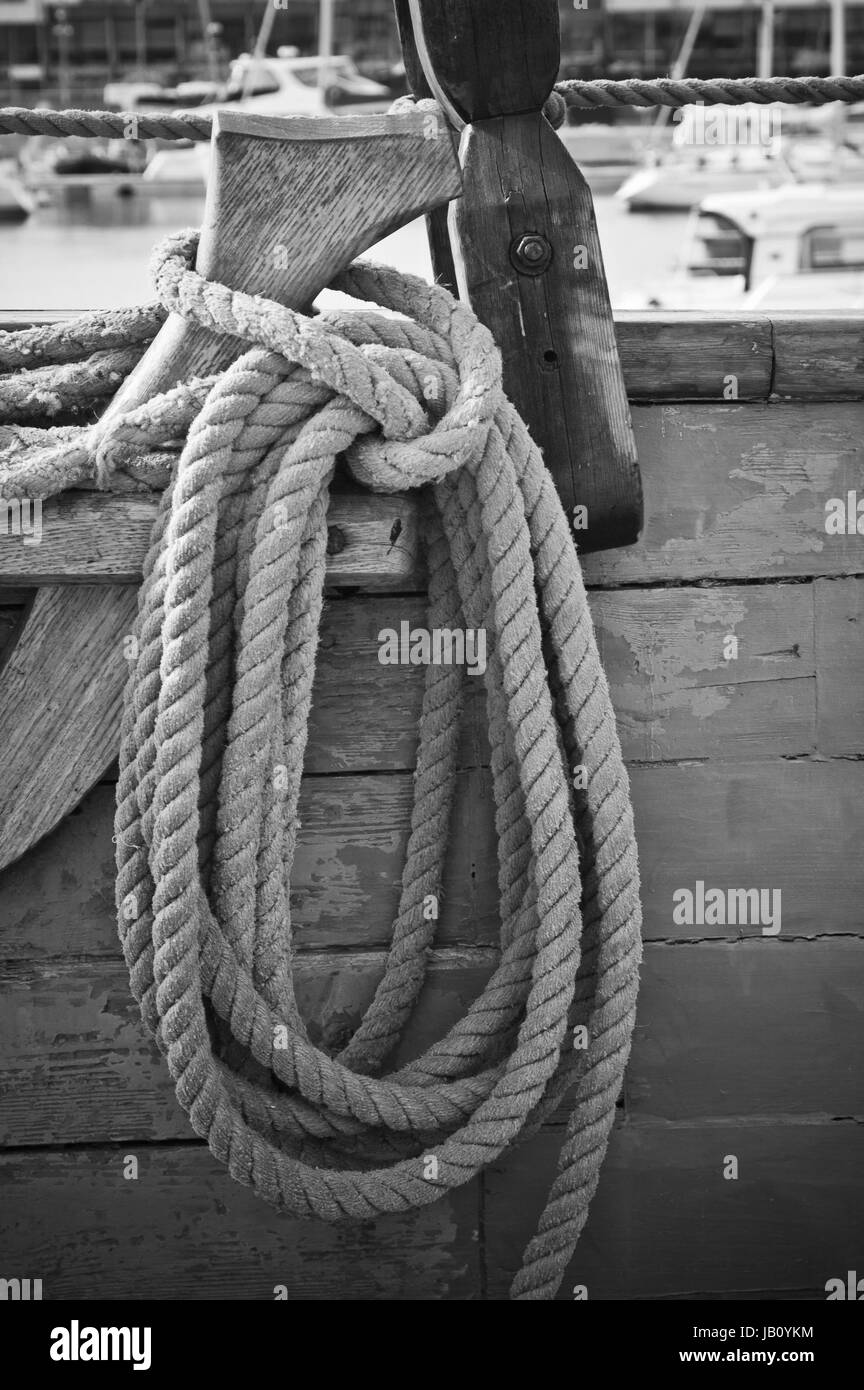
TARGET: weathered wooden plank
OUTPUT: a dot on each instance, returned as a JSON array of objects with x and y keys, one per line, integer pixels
[
  {"x": 722, "y": 1030},
  {"x": 666, "y": 1224},
  {"x": 819, "y": 357},
  {"x": 677, "y": 689},
  {"x": 751, "y": 1028},
  {"x": 739, "y": 492},
  {"x": 791, "y": 825},
  {"x": 695, "y": 356},
  {"x": 185, "y": 1230},
  {"x": 689, "y": 356},
  {"x": 78, "y": 1064},
  {"x": 676, "y": 692},
  {"x": 88, "y": 537},
  {"x": 728, "y": 826},
  {"x": 722, "y": 672},
  {"x": 732, "y": 492},
  {"x": 345, "y": 887},
  {"x": 839, "y": 605},
  {"x": 665, "y": 651},
  {"x": 61, "y": 687}
]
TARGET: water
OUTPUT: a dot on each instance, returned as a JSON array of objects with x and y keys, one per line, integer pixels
[{"x": 96, "y": 256}]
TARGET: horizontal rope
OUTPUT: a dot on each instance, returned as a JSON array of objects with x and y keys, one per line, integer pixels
[
  {"x": 599, "y": 94},
  {"x": 710, "y": 91}
]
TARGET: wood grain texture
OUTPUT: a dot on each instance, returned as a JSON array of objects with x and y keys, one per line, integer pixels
[
  {"x": 819, "y": 357},
  {"x": 61, "y": 687},
  {"x": 766, "y": 1027},
  {"x": 695, "y": 356},
  {"x": 92, "y": 537},
  {"x": 675, "y": 693},
  {"x": 490, "y": 58},
  {"x": 731, "y": 826},
  {"x": 839, "y": 607},
  {"x": 554, "y": 328},
  {"x": 722, "y": 1030},
  {"x": 665, "y": 1224},
  {"x": 78, "y": 1064},
  {"x": 351, "y": 182},
  {"x": 739, "y": 491},
  {"x": 436, "y": 220},
  {"x": 185, "y": 1230}
]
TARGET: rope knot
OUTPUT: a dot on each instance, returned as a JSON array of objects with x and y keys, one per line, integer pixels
[{"x": 427, "y": 376}]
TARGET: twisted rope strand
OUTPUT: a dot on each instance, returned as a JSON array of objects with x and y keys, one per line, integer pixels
[
  {"x": 214, "y": 731},
  {"x": 595, "y": 94}
]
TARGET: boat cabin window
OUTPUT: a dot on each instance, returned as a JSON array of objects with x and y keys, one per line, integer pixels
[
  {"x": 833, "y": 248},
  {"x": 717, "y": 246}
]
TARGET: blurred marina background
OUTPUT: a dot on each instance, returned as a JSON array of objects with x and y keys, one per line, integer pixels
[{"x": 706, "y": 208}]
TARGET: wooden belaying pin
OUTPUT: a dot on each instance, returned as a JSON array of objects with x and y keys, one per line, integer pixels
[{"x": 526, "y": 250}]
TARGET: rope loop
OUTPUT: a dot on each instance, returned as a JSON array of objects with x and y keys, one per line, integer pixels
[{"x": 215, "y": 726}]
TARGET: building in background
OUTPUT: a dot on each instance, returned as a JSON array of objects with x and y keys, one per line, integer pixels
[
  {"x": 84, "y": 43},
  {"x": 67, "y": 52},
  {"x": 643, "y": 38}
]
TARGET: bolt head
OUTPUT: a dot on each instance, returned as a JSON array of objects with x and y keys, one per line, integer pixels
[{"x": 531, "y": 252}]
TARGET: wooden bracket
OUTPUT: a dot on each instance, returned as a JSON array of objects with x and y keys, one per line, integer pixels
[
  {"x": 290, "y": 201},
  {"x": 525, "y": 248}
]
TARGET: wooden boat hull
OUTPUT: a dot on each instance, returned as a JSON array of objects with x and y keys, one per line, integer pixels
[{"x": 747, "y": 772}]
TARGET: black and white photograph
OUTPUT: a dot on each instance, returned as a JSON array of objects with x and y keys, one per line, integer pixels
[{"x": 431, "y": 670}]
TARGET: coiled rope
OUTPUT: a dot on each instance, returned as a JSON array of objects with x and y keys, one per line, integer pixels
[
  {"x": 600, "y": 93},
  {"x": 215, "y": 726}
]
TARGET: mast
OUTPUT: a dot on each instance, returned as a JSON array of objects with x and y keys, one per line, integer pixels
[
  {"x": 765, "y": 48},
  {"x": 838, "y": 38},
  {"x": 685, "y": 53},
  {"x": 325, "y": 46}
]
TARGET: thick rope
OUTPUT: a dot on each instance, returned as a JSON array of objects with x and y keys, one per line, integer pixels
[
  {"x": 710, "y": 91},
  {"x": 214, "y": 732},
  {"x": 600, "y": 93}
]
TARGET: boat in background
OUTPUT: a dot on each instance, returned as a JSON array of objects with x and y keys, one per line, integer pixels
[
  {"x": 683, "y": 178},
  {"x": 284, "y": 85},
  {"x": 609, "y": 154},
  {"x": 280, "y": 85},
  {"x": 732, "y": 149},
  {"x": 796, "y": 247}
]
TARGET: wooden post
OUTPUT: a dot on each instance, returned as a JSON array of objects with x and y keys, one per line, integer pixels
[{"x": 526, "y": 250}]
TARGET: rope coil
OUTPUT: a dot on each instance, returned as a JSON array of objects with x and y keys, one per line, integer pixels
[{"x": 214, "y": 732}]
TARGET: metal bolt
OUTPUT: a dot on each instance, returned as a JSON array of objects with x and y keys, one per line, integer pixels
[{"x": 531, "y": 253}]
